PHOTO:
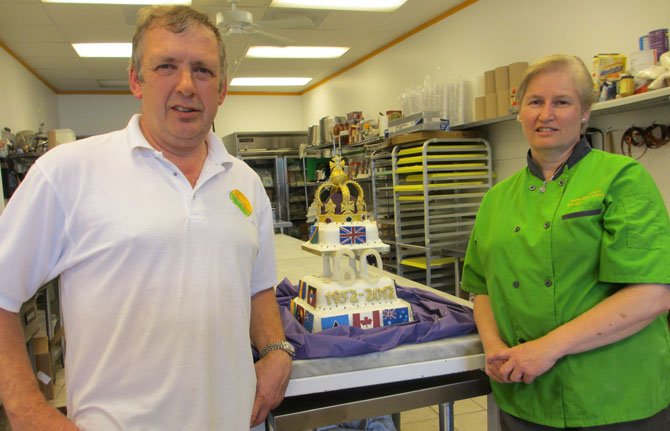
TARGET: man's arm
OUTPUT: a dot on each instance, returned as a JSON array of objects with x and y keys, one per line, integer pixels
[
  {"x": 619, "y": 316},
  {"x": 26, "y": 408},
  {"x": 274, "y": 370}
]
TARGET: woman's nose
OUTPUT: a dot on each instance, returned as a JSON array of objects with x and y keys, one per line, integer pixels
[{"x": 547, "y": 112}]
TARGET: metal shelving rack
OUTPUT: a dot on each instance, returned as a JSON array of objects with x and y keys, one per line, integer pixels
[
  {"x": 382, "y": 198},
  {"x": 438, "y": 185}
]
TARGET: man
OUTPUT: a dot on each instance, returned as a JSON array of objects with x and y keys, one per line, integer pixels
[{"x": 163, "y": 243}]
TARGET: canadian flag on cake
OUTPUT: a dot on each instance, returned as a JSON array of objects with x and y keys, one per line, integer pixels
[{"x": 367, "y": 320}]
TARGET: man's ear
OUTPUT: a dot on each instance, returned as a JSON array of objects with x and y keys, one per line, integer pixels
[
  {"x": 134, "y": 82},
  {"x": 224, "y": 91}
]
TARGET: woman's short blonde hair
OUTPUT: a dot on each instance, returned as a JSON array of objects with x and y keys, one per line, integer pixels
[{"x": 571, "y": 63}]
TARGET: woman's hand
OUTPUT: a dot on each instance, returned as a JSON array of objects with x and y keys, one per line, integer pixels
[{"x": 524, "y": 362}]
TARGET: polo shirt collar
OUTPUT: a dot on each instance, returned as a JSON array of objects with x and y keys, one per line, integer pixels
[
  {"x": 579, "y": 152},
  {"x": 216, "y": 153}
]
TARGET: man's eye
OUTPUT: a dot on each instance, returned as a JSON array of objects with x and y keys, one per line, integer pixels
[
  {"x": 164, "y": 69},
  {"x": 203, "y": 73}
]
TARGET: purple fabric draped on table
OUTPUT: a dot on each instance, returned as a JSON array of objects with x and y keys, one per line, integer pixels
[{"x": 435, "y": 317}]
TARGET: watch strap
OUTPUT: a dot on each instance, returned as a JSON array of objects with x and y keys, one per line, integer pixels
[{"x": 282, "y": 345}]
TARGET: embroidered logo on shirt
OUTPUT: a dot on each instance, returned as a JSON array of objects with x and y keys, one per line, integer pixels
[
  {"x": 241, "y": 202},
  {"x": 595, "y": 194}
]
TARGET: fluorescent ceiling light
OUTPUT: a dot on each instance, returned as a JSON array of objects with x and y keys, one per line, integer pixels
[
  {"x": 296, "y": 51},
  {"x": 363, "y": 5},
  {"x": 116, "y": 50},
  {"x": 132, "y": 2},
  {"x": 267, "y": 82}
]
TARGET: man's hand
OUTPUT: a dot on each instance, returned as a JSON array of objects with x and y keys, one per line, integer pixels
[{"x": 272, "y": 376}]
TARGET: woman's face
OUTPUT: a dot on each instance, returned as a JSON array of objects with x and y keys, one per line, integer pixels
[{"x": 551, "y": 113}]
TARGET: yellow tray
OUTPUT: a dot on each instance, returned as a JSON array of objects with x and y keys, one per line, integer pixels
[
  {"x": 421, "y": 187},
  {"x": 420, "y": 262},
  {"x": 419, "y": 168},
  {"x": 413, "y": 178},
  {"x": 419, "y": 159},
  {"x": 419, "y": 150}
]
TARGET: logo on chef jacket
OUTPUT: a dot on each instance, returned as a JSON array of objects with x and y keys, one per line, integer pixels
[{"x": 595, "y": 194}]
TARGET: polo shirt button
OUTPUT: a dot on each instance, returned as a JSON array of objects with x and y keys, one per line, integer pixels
[
  {"x": 532, "y": 188},
  {"x": 547, "y": 283},
  {"x": 515, "y": 284},
  {"x": 561, "y": 183},
  {"x": 547, "y": 225},
  {"x": 517, "y": 228},
  {"x": 542, "y": 189}
]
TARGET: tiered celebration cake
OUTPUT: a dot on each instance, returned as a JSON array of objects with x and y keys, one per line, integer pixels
[{"x": 350, "y": 291}]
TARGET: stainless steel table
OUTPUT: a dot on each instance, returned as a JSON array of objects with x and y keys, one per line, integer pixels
[{"x": 334, "y": 390}]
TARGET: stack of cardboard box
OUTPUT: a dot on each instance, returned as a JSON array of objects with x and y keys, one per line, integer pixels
[{"x": 500, "y": 87}]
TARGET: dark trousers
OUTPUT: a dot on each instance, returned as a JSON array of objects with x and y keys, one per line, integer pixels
[{"x": 658, "y": 422}]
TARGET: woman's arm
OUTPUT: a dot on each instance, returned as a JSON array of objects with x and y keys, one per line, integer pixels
[
  {"x": 619, "y": 316},
  {"x": 488, "y": 332}
]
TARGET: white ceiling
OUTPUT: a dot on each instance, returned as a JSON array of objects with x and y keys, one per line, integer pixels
[{"x": 40, "y": 35}]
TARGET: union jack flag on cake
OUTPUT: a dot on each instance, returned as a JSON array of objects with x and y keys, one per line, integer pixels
[{"x": 352, "y": 235}]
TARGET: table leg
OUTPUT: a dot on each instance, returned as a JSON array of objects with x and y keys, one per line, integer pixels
[{"x": 446, "y": 412}]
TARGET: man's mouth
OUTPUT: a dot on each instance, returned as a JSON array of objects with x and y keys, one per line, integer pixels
[
  {"x": 545, "y": 129},
  {"x": 184, "y": 109}
]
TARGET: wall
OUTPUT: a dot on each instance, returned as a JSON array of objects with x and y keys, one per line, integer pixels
[
  {"x": 94, "y": 114},
  {"x": 491, "y": 33},
  {"x": 25, "y": 101}
]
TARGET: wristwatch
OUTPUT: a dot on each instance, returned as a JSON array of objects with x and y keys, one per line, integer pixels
[{"x": 282, "y": 345}]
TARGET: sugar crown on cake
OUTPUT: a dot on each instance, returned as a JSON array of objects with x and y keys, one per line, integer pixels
[
  {"x": 339, "y": 199},
  {"x": 354, "y": 293}
]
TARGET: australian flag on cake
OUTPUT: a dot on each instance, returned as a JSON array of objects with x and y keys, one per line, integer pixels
[
  {"x": 393, "y": 316},
  {"x": 352, "y": 235}
]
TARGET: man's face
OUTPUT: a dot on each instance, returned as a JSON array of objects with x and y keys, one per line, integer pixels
[{"x": 180, "y": 89}]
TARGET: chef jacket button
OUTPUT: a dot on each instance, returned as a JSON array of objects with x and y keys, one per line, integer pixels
[
  {"x": 174, "y": 174},
  {"x": 517, "y": 228},
  {"x": 547, "y": 283},
  {"x": 547, "y": 225},
  {"x": 532, "y": 188},
  {"x": 515, "y": 284},
  {"x": 561, "y": 182}
]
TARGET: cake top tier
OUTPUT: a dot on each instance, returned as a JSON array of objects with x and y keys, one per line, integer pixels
[{"x": 339, "y": 199}]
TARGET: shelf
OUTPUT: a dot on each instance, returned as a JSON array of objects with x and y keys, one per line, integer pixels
[{"x": 630, "y": 103}]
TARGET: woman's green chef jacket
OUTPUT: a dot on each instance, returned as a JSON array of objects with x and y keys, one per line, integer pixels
[{"x": 546, "y": 252}]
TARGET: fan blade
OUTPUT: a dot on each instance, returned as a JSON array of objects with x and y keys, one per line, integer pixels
[
  {"x": 292, "y": 22},
  {"x": 281, "y": 39}
]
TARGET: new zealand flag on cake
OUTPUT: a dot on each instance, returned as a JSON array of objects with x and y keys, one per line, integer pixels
[{"x": 352, "y": 235}]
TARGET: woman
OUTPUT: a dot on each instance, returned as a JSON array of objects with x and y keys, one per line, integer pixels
[{"x": 569, "y": 262}]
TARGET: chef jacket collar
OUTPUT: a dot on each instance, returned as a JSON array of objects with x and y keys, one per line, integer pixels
[{"x": 578, "y": 152}]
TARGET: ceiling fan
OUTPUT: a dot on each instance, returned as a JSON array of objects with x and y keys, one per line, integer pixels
[{"x": 236, "y": 21}]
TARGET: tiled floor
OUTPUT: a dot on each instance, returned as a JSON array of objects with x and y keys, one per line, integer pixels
[{"x": 469, "y": 415}]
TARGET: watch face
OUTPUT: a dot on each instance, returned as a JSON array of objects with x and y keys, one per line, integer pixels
[{"x": 288, "y": 347}]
